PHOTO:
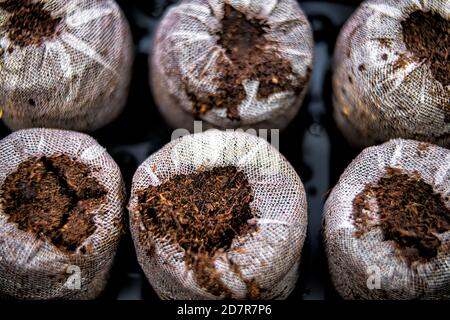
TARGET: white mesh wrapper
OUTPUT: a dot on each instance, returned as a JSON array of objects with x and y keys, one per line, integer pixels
[
  {"x": 352, "y": 261},
  {"x": 270, "y": 257},
  {"x": 380, "y": 90},
  {"x": 79, "y": 79},
  {"x": 186, "y": 52},
  {"x": 34, "y": 269}
]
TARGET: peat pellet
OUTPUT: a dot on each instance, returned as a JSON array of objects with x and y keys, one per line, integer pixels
[
  {"x": 218, "y": 215},
  {"x": 391, "y": 73},
  {"x": 232, "y": 63},
  {"x": 63, "y": 64},
  {"x": 387, "y": 223},
  {"x": 61, "y": 215}
]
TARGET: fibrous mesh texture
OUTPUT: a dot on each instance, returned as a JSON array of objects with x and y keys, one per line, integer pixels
[
  {"x": 381, "y": 91},
  {"x": 77, "y": 79},
  {"x": 352, "y": 260},
  {"x": 270, "y": 257},
  {"x": 186, "y": 56},
  {"x": 34, "y": 269}
]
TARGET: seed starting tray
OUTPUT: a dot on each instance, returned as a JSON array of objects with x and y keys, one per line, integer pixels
[{"x": 312, "y": 143}]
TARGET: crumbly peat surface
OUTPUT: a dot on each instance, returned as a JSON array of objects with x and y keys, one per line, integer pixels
[
  {"x": 29, "y": 23},
  {"x": 410, "y": 213},
  {"x": 53, "y": 198},
  {"x": 427, "y": 36},
  {"x": 203, "y": 213}
]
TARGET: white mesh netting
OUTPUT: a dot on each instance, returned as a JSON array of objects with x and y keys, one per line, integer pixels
[
  {"x": 270, "y": 256},
  {"x": 380, "y": 90},
  {"x": 77, "y": 80},
  {"x": 352, "y": 260},
  {"x": 186, "y": 54},
  {"x": 34, "y": 269}
]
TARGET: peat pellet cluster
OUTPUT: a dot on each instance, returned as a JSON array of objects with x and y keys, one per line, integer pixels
[
  {"x": 53, "y": 198},
  {"x": 208, "y": 225},
  {"x": 387, "y": 223},
  {"x": 63, "y": 65},
  {"x": 202, "y": 212},
  {"x": 391, "y": 73},
  {"x": 227, "y": 64},
  {"x": 61, "y": 205},
  {"x": 221, "y": 214}
]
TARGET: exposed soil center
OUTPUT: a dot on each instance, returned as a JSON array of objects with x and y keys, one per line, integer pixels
[
  {"x": 54, "y": 198},
  {"x": 410, "y": 213},
  {"x": 203, "y": 212},
  {"x": 250, "y": 57},
  {"x": 29, "y": 23},
  {"x": 427, "y": 36}
]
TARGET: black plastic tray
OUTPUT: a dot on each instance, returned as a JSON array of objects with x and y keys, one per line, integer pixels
[{"x": 311, "y": 143}]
